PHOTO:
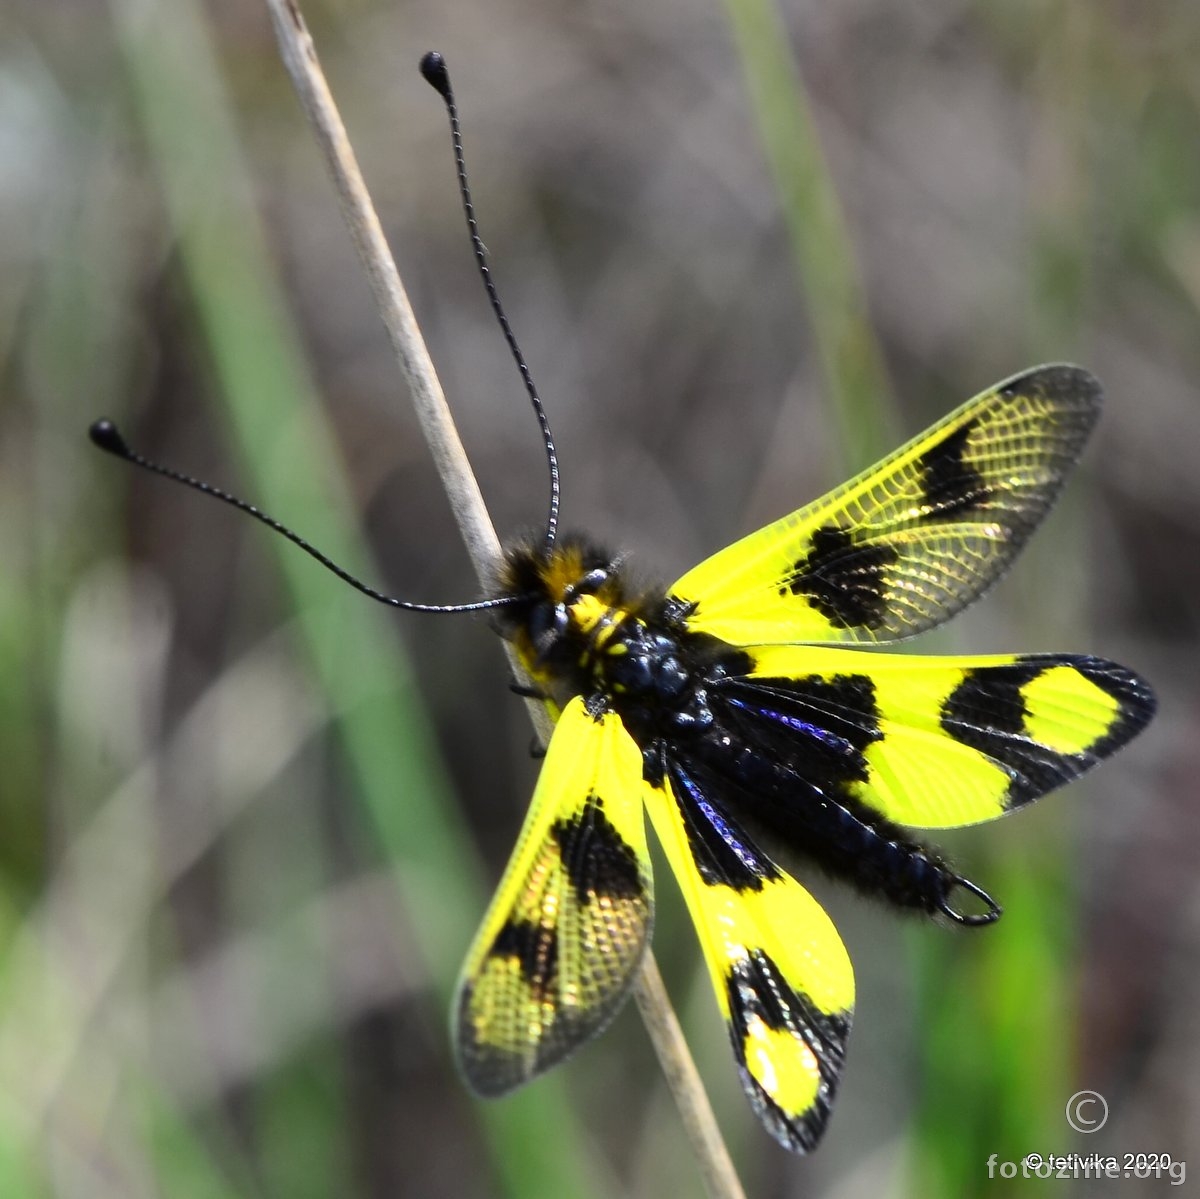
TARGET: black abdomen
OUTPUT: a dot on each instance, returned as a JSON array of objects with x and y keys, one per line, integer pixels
[{"x": 842, "y": 837}]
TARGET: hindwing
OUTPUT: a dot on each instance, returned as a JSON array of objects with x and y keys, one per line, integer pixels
[
  {"x": 932, "y": 742},
  {"x": 782, "y": 976},
  {"x": 556, "y": 953},
  {"x": 912, "y": 540}
]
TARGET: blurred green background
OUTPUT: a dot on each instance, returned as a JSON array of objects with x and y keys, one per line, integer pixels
[{"x": 248, "y": 821}]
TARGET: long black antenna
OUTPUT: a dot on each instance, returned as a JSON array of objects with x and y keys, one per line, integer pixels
[
  {"x": 433, "y": 67},
  {"x": 108, "y": 437}
]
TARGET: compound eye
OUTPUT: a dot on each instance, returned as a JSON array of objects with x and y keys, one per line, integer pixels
[
  {"x": 562, "y": 619},
  {"x": 594, "y": 579},
  {"x": 543, "y": 622},
  {"x": 588, "y": 584},
  {"x": 548, "y": 627}
]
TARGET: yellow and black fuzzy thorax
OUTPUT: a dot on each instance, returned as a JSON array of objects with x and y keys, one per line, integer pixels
[{"x": 573, "y": 615}]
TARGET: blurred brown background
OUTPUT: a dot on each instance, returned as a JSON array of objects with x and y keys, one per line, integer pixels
[{"x": 247, "y": 821}]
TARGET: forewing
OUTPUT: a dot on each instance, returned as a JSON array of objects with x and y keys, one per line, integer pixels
[
  {"x": 783, "y": 979},
  {"x": 929, "y": 741},
  {"x": 554, "y": 958},
  {"x": 914, "y": 539}
]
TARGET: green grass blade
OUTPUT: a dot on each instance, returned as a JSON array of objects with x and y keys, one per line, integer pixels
[
  {"x": 285, "y": 443},
  {"x": 856, "y": 387}
]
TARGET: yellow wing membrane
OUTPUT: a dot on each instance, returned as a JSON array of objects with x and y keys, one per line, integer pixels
[
  {"x": 555, "y": 955},
  {"x": 783, "y": 978},
  {"x": 911, "y": 541},
  {"x": 935, "y": 742}
]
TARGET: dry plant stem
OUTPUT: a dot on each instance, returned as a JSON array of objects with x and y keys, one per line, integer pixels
[
  {"x": 300, "y": 58},
  {"x": 714, "y": 1164}
]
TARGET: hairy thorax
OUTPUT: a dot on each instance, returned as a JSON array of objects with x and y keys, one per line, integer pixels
[{"x": 580, "y": 630}]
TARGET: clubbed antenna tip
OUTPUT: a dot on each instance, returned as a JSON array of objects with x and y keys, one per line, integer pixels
[
  {"x": 433, "y": 67},
  {"x": 108, "y": 437}
]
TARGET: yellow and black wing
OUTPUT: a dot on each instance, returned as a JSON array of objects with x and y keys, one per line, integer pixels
[
  {"x": 555, "y": 955},
  {"x": 783, "y": 978},
  {"x": 830, "y": 749},
  {"x": 911, "y": 541},
  {"x": 931, "y": 742}
]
